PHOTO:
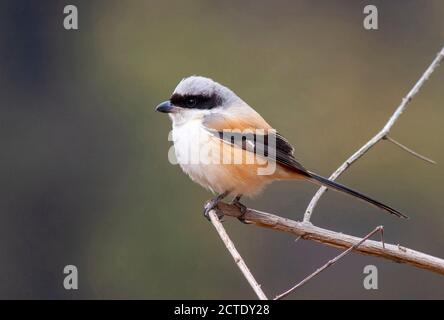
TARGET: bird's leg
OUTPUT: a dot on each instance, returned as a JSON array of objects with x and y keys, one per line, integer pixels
[
  {"x": 242, "y": 208},
  {"x": 211, "y": 204}
]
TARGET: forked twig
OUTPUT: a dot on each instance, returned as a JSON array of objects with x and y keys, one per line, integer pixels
[
  {"x": 308, "y": 231},
  {"x": 405, "y": 148},
  {"x": 329, "y": 264},
  {"x": 379, "y": 136}
]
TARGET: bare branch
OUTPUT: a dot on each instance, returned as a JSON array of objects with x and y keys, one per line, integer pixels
[
  {"x": 379, "y": 136},
  {"x": 328, "y": 264},
  {"x": 236, "y": 256},
  {"x": 307, "y": 231},
  {"x": 403, "y": 147}
]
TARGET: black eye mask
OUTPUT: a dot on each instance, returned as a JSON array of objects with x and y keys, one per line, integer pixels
[{"x": 201, "y": 102}]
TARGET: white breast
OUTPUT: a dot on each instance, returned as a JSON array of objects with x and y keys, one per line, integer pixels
[
  {"x": 189, "y": 139},
  {"x": 198, "y": 153}
]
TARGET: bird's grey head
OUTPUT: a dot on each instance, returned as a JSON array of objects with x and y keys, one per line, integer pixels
[{"x": 197, "y": 96}]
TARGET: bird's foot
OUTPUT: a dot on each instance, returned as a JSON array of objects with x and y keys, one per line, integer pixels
[{"x": 212, "y": 205}]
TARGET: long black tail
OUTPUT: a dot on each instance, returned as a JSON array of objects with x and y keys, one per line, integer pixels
[{"x": 336, "y": 186}]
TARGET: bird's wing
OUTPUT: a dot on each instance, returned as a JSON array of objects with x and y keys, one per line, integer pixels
[
  {"x": 261, "y": 139},
  {"x": 249, "y": 137}
]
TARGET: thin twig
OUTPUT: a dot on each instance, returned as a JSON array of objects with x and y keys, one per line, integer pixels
[
  {"x": 307, "y": 231},
  {"x": 328, "y": 264},
  {"x": 414, "y": 153},
  {"x": 379, "y": 136},
  {"x": 382, "y": 237},
  {"x": 236, "y": 256}
]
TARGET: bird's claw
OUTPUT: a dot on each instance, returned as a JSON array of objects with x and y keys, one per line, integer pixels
[
  {"x": 243, "y": 209},
  {"x": 211, "y": 205}
]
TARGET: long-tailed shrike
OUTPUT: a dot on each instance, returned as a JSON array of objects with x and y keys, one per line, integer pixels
[{"x": 212, "y": 126}]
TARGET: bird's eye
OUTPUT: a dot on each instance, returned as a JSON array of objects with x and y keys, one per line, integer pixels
[{"x": 190, "y": 102}]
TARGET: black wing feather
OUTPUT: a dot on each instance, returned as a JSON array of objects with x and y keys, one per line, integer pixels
[
  {"x": 283, "y": 151},
  {"x": 264, "y": 145}
]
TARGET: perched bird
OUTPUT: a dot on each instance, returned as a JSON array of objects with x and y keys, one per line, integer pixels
[{"x": 212, "y": 126}]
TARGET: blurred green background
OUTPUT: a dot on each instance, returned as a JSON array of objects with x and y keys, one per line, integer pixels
[{"x": 85, "y": 178}]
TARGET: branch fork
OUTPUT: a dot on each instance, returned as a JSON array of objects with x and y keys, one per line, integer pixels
[{"x": 307, "y": 231}]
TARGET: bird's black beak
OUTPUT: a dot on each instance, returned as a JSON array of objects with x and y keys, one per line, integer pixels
[{"x": 165, "y": 107}]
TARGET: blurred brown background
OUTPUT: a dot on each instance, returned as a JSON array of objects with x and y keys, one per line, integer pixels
[{"x": 85, "y": 178}]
